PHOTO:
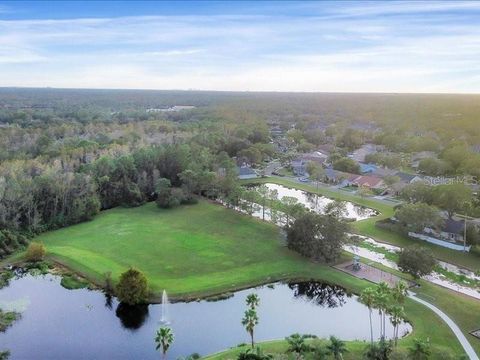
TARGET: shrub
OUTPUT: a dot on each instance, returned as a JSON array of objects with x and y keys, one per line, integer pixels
[
  {"x": 132, "y": 289},
  {"x": 35, "y": 252}
]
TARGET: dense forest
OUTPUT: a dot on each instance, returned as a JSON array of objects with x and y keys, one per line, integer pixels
[{"x": 67, "y": 154}]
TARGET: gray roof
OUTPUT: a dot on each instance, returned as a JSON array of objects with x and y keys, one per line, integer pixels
[
  {"x": 453, "y": 226},
  {"x": 245, "y": 170},
  {"x": 405, "y": 177}
]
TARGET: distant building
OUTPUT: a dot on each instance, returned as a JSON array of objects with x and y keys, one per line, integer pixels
[
  {"x": 383, "y": 172},
  {"x": 418, "y": 157},
  {"x": 174, "y": 108},
  {"x": 368, "y": 181},
  {"x": 246, "y": 172},
  {"x": 367, "y": 168},
  {"x": 299, "y": 165},
  {"x": 359, "y": 155},
  {"x": 336, "y": 177},
  {"x": 408, "y": 178}
]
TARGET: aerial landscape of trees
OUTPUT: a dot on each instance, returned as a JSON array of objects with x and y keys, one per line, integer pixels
[{"x": 68, "y": 156}]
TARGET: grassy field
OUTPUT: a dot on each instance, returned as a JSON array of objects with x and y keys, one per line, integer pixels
[
  {"x": 367, "y": 227},
  {"x": 189, "y": 251}
]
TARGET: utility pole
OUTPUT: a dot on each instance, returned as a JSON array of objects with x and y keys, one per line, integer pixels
[{"x": 465, "y": 234}]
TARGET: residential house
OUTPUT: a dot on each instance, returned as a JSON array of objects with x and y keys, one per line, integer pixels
[
  {"x": 408, "y": 178},
  {"x": 246, "y": 172},
  {"x": 360, "y": 154},
  {"x": 419, "y": 156},
  {"x": 382, "y": 172},
  {"x": 367, "y": 168},
  {"x": 315, "y": 156},
  {"x": 299, "y": 165},
  {"x": 337, "y": 177},
  {"x": 450, "y": 235},
  {"x": 368, "y": 181}
]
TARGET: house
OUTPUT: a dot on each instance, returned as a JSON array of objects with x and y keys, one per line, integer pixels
[
  {"x": 326, "y": 149},
  {"x": 360, "y": 154},
  {"x": 299, "y": 167},
  {"x": 315, "y": 156},
  {"x": 367, "y": 168},
  {"x": 449, "y": 236},
  {"x": 337, "y": 177},
  {"x": 246, "y": 172},
  {"x": 419, "y": 156},
  {"x": 368, "y": 181},
  {"x": 453, "y": 230},
  {"x": 383, "y": 172},
  {"x": 408, "y": 178}
]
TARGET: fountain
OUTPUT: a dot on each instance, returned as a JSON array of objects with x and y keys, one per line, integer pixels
[{"x": 164, "y": 318}]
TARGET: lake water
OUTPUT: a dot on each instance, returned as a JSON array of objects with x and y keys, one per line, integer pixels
[
  {"x": 317, "y": 203},
  {"x": 81, "y": 324}
]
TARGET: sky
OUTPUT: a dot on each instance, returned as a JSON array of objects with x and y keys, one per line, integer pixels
[{"x": 389, "y": 46}]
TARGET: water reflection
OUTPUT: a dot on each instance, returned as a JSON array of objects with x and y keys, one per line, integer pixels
[
  {"x": 132, "y": 317},
  {"x": 318, "y": 293},
  {"x": 79, "y": 324},
  {"x": 316, "y": 203}
]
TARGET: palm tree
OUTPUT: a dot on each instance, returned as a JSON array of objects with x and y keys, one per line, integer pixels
[
  {"x": 368, "y": 298},
  {"x": 336, "y": 348},
  {"x": 420, "y": 350},
  {"x": 164, "y": 339},
  {"x": 297, "y": 344},
  {"x": 250, "y": 320},
  {"x": 397, "y": 314},
  {"x": 253, "y": 301},
  {"x": 252, "y": 354},
  {"x": 399, "y": 292},
  {"x": 382, "y": 295}
]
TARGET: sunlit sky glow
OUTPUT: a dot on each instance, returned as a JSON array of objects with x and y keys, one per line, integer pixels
[{"x": 255, "y": 46}]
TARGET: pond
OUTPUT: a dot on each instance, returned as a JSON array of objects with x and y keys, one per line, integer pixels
[
  {"x": 318, "y": 203},
  {"x": 82, "y": 324}
]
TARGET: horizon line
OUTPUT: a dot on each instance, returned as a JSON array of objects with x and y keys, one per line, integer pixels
[{"x": 240, "y": 91}]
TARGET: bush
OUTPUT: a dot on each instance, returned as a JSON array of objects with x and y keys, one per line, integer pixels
[
  {"x": 73, "y": 282},
  {"x": 35, "y": 252},
  {"x": 168, "y": 196},
  {"x": 132, "y": 289}
]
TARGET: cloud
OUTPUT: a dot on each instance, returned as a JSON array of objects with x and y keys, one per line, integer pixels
[{"x": 337, "y": 48}]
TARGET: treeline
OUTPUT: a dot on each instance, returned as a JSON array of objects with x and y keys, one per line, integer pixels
[{"x": 36, "y": 197}]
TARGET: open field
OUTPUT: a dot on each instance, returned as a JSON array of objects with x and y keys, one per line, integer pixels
[
  {"x": 367, "y": 227},
  {"x": 190, "y": 251}
]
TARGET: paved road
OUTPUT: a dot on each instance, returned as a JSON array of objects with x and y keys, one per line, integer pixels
[{"x": 456, "y": 330}]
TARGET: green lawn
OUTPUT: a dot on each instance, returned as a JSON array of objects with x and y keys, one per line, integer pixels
[
  {"x": 355, "y": 350},
  {"x": 190, "y": 251},
  {"x": 367, "y": 227}
]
